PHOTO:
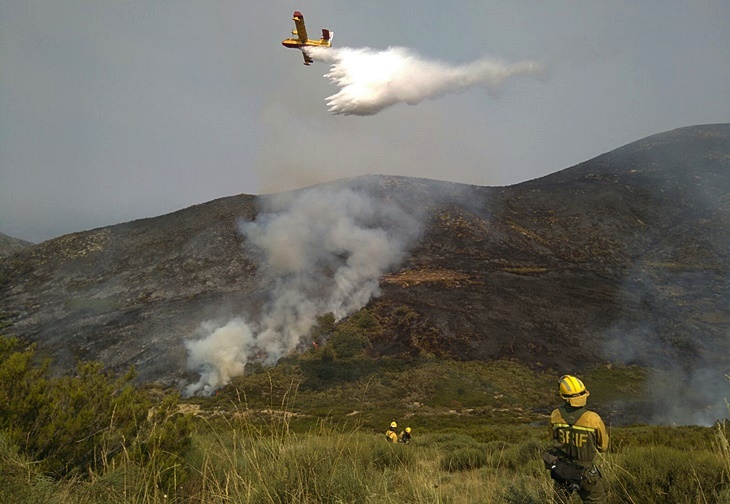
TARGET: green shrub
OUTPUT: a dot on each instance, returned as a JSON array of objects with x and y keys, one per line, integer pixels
[
  {"x": 464, "y": 459},
  {"x": 313, "y": 470},
  {"x": 80, "y": 423},
  {"x": 385, "y": 455},
  {"x": 662, "y": 474},
  {"x": 519, "y": 455},
  {"x": 162, "y": 442},
  {"x": 348, "y": 342},
  {"x": 23, "y": 390},
  {"x": 496, "y": 446},
  {"x": 450, "y": 441},
  {"x": 84, "y": 421},
  {"x": 324, "y": 326},
  {"x": 526, "y": 490}
]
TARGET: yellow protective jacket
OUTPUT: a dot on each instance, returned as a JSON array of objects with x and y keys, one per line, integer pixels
[
  {"x": 578, "y": 434},
  {"x": 391, "y": 436}
]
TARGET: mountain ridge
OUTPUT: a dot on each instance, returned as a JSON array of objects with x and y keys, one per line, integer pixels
[
  {"x": 621, "y": 258},
  {"x": 10, "y": 245}
]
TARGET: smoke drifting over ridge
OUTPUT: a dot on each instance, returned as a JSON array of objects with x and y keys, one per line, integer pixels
[
  {"x": 320, "y": 250},
  {"x": 371, "y": 80}
]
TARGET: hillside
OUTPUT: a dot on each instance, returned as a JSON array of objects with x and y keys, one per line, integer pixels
[
  {"x": 622, "y": 258},
  {"x": 10, "y": 245}
]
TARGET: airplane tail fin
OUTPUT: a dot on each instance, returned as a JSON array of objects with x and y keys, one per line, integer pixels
[{"x": 327, "y": 35}]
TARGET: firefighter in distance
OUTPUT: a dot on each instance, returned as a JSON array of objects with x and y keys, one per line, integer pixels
[{"x": 390, "y": 435}]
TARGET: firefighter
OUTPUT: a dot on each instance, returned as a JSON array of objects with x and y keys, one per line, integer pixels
[
  {"x": 405, "y": 436},
  {"x": 578, "y": 435},
  {"x": 390, "y": 434}
]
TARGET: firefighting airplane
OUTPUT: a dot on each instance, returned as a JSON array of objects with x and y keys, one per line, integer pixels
[{"x": 301, "y": 40}]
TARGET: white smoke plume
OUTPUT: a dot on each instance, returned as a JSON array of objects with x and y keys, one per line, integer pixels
[
  {"x": 320, "y": 250},
  {"x": 371, "y": 80}
]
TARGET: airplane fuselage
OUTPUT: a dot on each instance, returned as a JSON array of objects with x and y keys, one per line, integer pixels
[{"x": 298, "y": 44}]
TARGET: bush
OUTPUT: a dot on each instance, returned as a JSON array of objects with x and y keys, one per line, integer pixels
[
  {"x": 78, "y": 424},
  {"x": 385, "y": 455},
  {"x": 661, "y": 474},
  {"x": 324, "y": 326},
  {"x": 314, "y": 471},
  {"x": 161, "y": 444},
  {"x": 517, "y": 456},
  {"x": 84, "y": 421},
  {"x": 464, "y": 459},
  {"x": 527, "y": 491},
  {"x": 23, "y": 390},
  {"x": 348, "y": 342}
]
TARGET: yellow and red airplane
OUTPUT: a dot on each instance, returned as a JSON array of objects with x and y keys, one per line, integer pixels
[{"x": 300, "y": 37}]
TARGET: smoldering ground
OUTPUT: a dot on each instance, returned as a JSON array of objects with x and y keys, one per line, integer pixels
[
  {"x": 319, "y": 250},
  {"x": 372, "y": 80},
  {"x": 676, "y": 289}
]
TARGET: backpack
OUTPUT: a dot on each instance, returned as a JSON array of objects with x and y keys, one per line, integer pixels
[
  {"x": 562, "y": 471},
  {"x": 567, "y": 474}
]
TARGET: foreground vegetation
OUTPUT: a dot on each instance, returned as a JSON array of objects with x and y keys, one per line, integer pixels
[
  {"x": 247, "y": 462},
  {"x": 311, "y": 430}
]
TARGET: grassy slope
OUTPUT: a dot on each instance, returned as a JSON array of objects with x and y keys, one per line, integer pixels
[{"x": 431, "y": 395}]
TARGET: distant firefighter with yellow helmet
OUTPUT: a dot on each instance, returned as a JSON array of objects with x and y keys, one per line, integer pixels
[
  {"x": 405, "y": 436},
  {"x": 390, "y": 435},
  {"x": 578, "y": 435}
]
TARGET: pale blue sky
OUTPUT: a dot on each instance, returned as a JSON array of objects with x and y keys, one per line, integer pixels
[{"x": 113, "y": 111}]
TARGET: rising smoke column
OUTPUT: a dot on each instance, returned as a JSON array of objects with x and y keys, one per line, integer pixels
[
  {"x": 371, "y": 80},
  {"x": 320, "y": 250}
]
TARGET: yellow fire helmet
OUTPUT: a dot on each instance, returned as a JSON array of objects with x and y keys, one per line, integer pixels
[
  {"x": 573, "y": 391},
  {"x": 393, "y": 425},
  {"x": 408, "y": 430}
]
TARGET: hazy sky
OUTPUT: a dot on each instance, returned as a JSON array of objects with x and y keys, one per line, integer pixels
[{"x": 113, "y": 111}]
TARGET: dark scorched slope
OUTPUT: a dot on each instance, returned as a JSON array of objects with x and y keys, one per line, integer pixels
[{"x": 621, "y": 258}]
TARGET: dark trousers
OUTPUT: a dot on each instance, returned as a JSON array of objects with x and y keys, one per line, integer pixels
[{"x": 592, "y": 490}]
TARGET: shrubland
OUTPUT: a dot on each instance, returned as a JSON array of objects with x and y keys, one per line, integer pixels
[{"x": 310, "y": 430}]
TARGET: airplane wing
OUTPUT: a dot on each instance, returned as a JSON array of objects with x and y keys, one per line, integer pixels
[
  {"x": 307, "y": 59},
  {"x": 301, "y": 30}
]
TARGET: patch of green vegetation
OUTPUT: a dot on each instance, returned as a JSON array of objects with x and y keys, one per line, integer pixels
[
  {"x": 70, "y": 425},
  {"x": 689, "y": 437},
  {"x": 310, "y": 429},
  {"x": 433, "y": 394},
  {"x": 464, "y": 459},
  {"x": 664, "y": 474},
  {"x": 326, "y": 465}
]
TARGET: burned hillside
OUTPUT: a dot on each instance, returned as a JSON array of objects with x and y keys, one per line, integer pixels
[{"x": 621, "y": 258}]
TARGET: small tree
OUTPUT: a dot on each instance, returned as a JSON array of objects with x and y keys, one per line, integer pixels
[
  {"x": 348, "y": 342},
  {"x": 323, "y": 328},
  {"x": 74, "y": 423}
]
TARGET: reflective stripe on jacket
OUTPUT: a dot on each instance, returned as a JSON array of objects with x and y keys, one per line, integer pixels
[{"x": 578, "y": 437}]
